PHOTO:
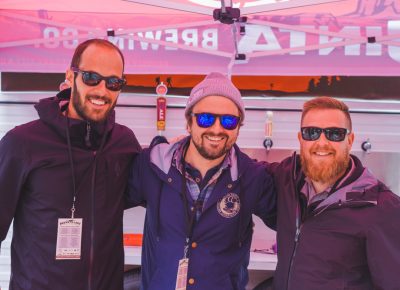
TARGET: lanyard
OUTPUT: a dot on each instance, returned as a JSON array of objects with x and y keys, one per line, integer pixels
[
  {"x": 190, "y": 215},
  {"x": 71, "y": 163}
]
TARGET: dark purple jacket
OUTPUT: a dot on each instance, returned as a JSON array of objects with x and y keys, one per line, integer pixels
[
  {"x": 36, "y": 190},
  {"x": 350, "y": 241},
  {"x": 219, "y": 259}
]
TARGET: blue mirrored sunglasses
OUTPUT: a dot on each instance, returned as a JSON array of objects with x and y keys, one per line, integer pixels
[{"x": 206, "y": 120}]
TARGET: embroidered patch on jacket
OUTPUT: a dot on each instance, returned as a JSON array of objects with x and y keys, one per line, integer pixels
[{"x": 229, "y": 205}]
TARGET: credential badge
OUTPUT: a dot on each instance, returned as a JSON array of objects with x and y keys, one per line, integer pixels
[{"x": 229, "y": 205}]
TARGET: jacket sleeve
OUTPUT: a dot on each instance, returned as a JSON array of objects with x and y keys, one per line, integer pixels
[
  {"x": 275, "y": 170},
  {"x": 267, "y": 203},
  {"x": 13, "y": 172},
  {"x": 383, "y": 243},
  {"x": 134, "y": 192}
]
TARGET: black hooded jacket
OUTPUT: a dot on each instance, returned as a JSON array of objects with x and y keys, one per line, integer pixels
[
  {"x": 350, "y": 241},
  {"x": 36, "y": 189}
]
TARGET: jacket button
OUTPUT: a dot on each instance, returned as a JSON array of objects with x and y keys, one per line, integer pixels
[
  {"x": 169, "y": 179},
  {"x": 229, "y": 185},
  {"x": 194, "y": 245},
  {"x": 191, "y": 281}
]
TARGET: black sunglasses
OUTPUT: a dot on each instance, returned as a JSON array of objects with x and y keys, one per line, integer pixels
[
  {"x": 332, "y": 134},
  {"x": 206, "y": 120},
  {"x": 92, "y": 79}
]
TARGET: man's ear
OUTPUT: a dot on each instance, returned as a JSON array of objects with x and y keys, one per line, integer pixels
[
  {"x": 69, "y": 77},
  {"x": 350, "y": 139}
]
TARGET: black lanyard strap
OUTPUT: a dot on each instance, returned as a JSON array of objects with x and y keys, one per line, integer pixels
[
  {"x": 71, "y": 165},
  {"x": 190, "y": 214}
]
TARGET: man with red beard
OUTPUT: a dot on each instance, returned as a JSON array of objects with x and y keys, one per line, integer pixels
[
  {"x": 62, "y": 179},
  {"x": 338, "y": 226},
  {"x": 200, "y": 194}
]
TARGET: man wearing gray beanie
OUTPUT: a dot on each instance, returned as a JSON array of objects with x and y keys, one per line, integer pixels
[
  {"x": 215, "y": 84},
  {"x": 200, "y": 194}
]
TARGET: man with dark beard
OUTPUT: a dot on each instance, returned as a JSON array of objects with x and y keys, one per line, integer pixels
[
  {"x": 338, "y": 226},
  {"x": 62, "y": 180},
  {"x": 200, "y": 194}
]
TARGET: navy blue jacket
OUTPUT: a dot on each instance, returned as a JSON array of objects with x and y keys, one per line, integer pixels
[
  {"x": 36, "y": 190},
  {"x": 219, "y": 255}
]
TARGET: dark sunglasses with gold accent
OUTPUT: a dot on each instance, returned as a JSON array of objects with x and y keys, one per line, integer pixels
[
  {"x": 92, "y": 79},
  {"x": 332, "y": 134}
]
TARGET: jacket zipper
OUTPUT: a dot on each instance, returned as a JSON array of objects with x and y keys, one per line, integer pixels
[
  {"x": 87, "y": 136},
  {"x": 92, "y": 228},
  {"x": 298, "y": 224},
  {"x": 88, "y": 143},
  {"x": 296, "y": 243},
  {"x": 91, "y": 244}
]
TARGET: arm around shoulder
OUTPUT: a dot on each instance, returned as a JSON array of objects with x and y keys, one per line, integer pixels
[
  {"x": 267, "y": 204},
  {"x": 134, "y": 193}
]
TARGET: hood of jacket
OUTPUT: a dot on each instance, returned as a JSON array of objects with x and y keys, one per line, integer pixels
[
  {"x": 354, "y": 191},
  {"x": 359, "y": 188},
  {"x": 162, "y": 154},
  {"x": 83, "y": 133}
]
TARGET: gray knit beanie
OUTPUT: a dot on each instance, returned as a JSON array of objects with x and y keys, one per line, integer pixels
[{"x": 215, "y": 84}]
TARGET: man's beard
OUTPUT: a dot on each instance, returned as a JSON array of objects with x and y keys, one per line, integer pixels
[
  {"x": 78, "y": 104},
  {"x": 325, "y": 172},
  {"x": 208, "y": 154}
]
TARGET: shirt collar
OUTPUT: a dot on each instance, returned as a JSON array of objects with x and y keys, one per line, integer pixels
[{"x": 178, "y": 154}]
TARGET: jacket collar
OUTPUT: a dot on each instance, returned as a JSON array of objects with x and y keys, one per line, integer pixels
[
  {"x": 162, "y": 156},
  {"x": 360, "y": 190},
  {"x": 358, "y": 186},
  {"x": 51, "y": 110}
]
